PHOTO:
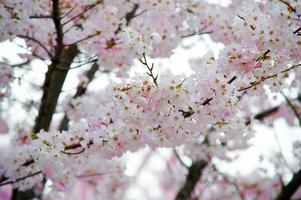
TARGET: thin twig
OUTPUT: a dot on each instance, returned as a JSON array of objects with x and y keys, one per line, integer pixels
[
  {"x": 84, "y": 39},
  {"x": 150, "y": 68},
  {"x": 73, "y": 153},
  {"x": 20, "y": 179},
  {"x": 262, "y": 79},
  {"x": 88, "y": 7},
  {"x": 229, "y": 181},
  {"x": 289, "y": 6},
  {"x": 84, "y": 63},
  {"x": 179, "y": 158},
  {"x": 94, "y": 174},
  {"x": 40, "y": 17},
  {"x": 289, "y": 103},
  {"x": 37, "y": 42},
  {"x": 67, "y": 13},
  {"x": 17, "y": 65},
  {"x": 197, "y": 33},
  {"x": 281, "y": 151}
]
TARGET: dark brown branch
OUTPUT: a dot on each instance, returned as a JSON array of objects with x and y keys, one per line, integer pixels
[
  {"x": 289, "y": 189},
  {"x": 28, "y": 162},
  {"x": 291, "y": 68},
  {"x": 87, "y": 8},
  {"x": 72, "y": 146},
  {"x": 297, "y": 31},
  {"x": 202, "y": 31},
  {"x": 289, "y": 103},
  {"x": 3, "y": 178},
  {"x": 55, "y": 75},
  {"x": 77, "y": 145},
  {"x": 73, "y": 153},
  {"x": 232, "y": 79},
  {"x": 255, "y": 83},
  {"x": 40, "y": 17},
  {"x": 20, "y": 179},
  {"x": 37, "y": 42},
  {"x": 197, "y": 33},
  {"x": 67, "y": 13},
  {"x": 128, "y": 17},
  {"x": 91, "y": 175},
  {"x": 289, "y": 6},
  {"x": 266, "y": 113},
  {"x": 150, "y": 68},
  {"x": 71, "y": 27},
  {"x": 206, "y": 101},
  {"x": 84, "y": 39},
  {"x": 58, "y": 27},
  {"x": 52, "y": 88},
  {"x": 81, "y": 89},
  {"x": 227, "y": 179},
  {"x": 85, "y": 63},
  {"x": 179, "y": 158},
  {"x": 194, "y": 174},
  {"x": 18, "y": 64},
  {"x": 262, "y": 79},
  {"x": 132, "y": 14}
]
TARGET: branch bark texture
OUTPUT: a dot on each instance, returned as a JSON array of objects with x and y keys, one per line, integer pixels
[{"x": 194, "y": 174}]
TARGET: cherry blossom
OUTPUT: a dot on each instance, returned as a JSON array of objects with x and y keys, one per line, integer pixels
[{"x": 210, "y": 114}]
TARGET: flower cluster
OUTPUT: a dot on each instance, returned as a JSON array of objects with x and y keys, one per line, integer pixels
[
  {"x": 131, "y": 116},
  {"x": 209, "y": 112}
]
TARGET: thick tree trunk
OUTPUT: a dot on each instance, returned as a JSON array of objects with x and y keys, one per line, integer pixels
[
  {"x": 81, "y": 90},
  {"x": 53, "y": 84},
  {"x": 54, "y": 81}
]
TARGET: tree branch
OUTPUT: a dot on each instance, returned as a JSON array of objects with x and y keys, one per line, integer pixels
[
  {"x": 20, "y": 179},
  {"x": 81, "y": 89},
  {"x": 289, "y": 6},
  {"x": 87, "y": 8},
  {"x": 58, "y": 27},
  {"x": 289, "y": 189},
  {"x": 289, "y": 103},
  {"x": 26, "y": 37},
  {"x": 150, "y": 68},
  {"x": 128, "y": 17},
  {"x": 86, "y": 38},
  {"x": 263, "y": 78},
  {"x": 180, "y": 159},
  {"x": 194, "y": 174},
  {"x": 53, "y": 83},
  {"x": 52, "y": 88},
  {"x": 40, "y": 17}
]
